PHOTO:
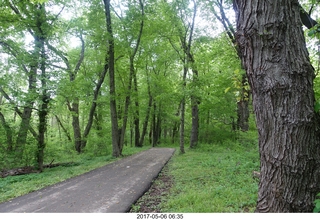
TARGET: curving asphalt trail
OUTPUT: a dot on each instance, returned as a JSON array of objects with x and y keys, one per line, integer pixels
[{"x": 109, "y": 189}]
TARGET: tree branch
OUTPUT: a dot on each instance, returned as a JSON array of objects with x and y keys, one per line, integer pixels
[{"x": 17, "y": 110}]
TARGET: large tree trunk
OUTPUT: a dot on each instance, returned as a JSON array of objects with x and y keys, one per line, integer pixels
[{"x": 275, "y": 57}]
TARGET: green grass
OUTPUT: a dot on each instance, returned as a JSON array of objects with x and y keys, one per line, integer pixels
[
  {"x": 14, "y": 186},
  {"x": 214, "y": 179}
]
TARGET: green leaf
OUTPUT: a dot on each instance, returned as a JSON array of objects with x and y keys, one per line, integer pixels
[
  {"x": 317, "y": 106},
  {"x": 316, "y": 210},
  {"x": 39, "y": 1},
  {"x": 317, "y": 201},
  {"x": 311, "y": 33}
]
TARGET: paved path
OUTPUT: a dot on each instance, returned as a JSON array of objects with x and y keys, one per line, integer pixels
[{"x": 112, "y": 188}]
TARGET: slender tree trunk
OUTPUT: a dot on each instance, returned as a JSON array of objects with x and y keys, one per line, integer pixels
[
  {"x": 112, "y": 90},
  {"x": 145, "y": 123},
  {"x": 131, "y": 134},
  {"x": 93, "y": 108},
  {"x": 158, "y": 126},
  {"x": 126, "y": 111},
  {"x": 27, "y": 110},
  {"x": 243, "y": 115},
  {"x": 74, "y": 109},
  {"x": 98, "y": 116},
  {"x": 63, "y": 128},
  {"x": 194, "y": 137},
  {"x": 136, "y": 118},
  {"x": 274, "y": 53},
  {"x": 8, "y": 131},
  {"x": 73, "y": 105},
  {"x": 154, "y": 126},
  {"x": 146, "y": 120},
  {"x": 43, "y": 109},
  {"x": 242, "y": 105},
  {"x": 17, "y": 111},
  {"x": 176, "y": 124},
  {"x": 182, "y": 111},
  {"x": 131, "y": 76},
  {"x": 182, "y": 117}
]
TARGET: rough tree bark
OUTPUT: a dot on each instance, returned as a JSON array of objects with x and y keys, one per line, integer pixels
[{"x": 274, "y": 54}]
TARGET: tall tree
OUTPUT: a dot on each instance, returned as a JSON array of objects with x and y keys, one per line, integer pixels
[
  {"x": 134, "y": 46},
  {"x": 116, "y": 149},
  {"x": 72, "y": 99},
  {"x": 185, "y": 32},
  {"x": 195, "y": 101},
  {"x": 8, "y": 131},
  {"x": 276, "y": 59},
  {"x": 217, "y": 7}
]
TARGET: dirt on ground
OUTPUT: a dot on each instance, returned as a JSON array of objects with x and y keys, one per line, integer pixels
[{"x": 150, "y": 202}]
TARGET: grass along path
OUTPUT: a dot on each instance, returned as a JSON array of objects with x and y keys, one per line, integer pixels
[
  {"x": 14, "y": 186},
  {"x": 209, "y": 179}
]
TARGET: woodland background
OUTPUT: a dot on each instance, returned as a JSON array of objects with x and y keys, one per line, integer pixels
[{"x": 177, "y": 79}]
